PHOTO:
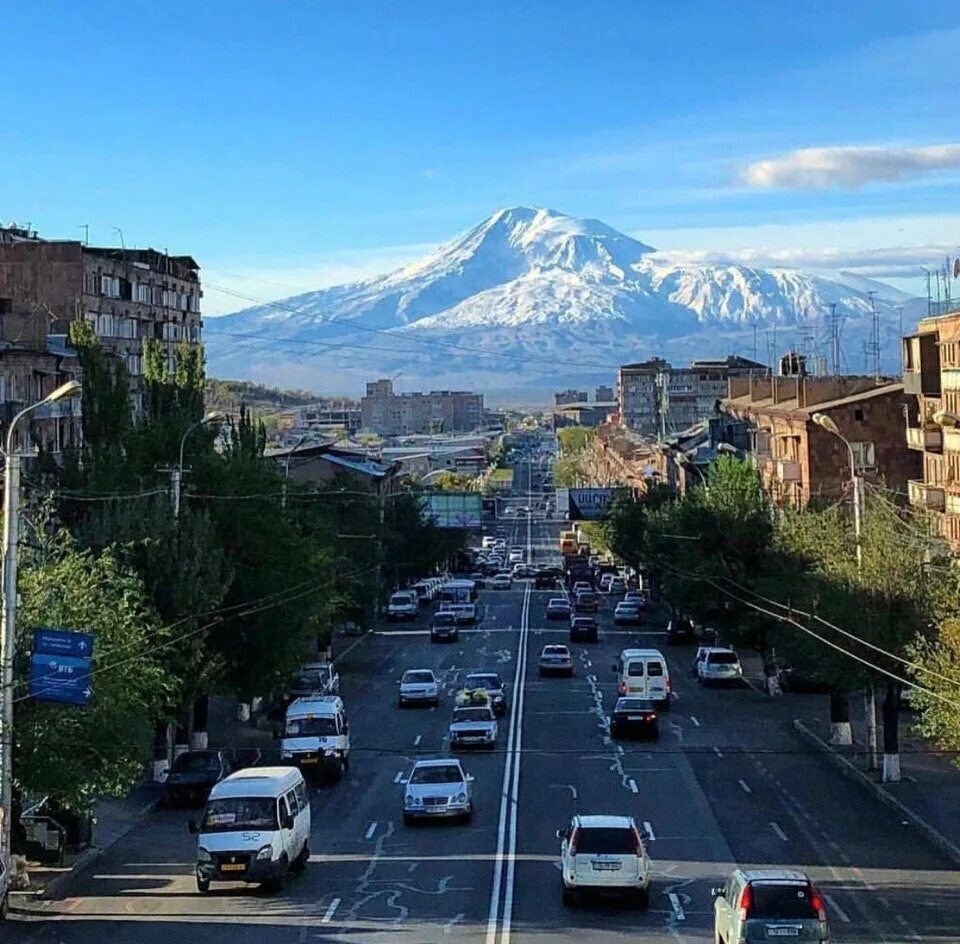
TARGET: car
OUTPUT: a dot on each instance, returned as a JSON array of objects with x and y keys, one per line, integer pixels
[
  {"x": 524, "y": 571},
  {"x": 487, "y": 541},
  {"x": 604, "y": 855},
  {"x": 605, "y": 582},
  {"x": 404, "y": 604},
  {"x": 546, "y": 578},
  {"x": 644, "y": 673},
  {"x": 419, "y": 687},
  {"x": 701, "y": 655},
  {"x": 523, "y": 511},
  {"x": 626, "y": 614},
  {"x": 464, "y": 614},
  {"x": 493, "y": 685},
  {"x": 634, "y": 716},
  {"x": 509, "y": 512},
  {"x": 635, "y": 596},
  {"x": 473, "y": 726},
  {"x": 443, "y": 627},
  {"x": 617, "y": 585},
  {"x": 516, "y": 557},
  {"x": 438, "y": 788},
  {"x": 193, "y": 775},
  {"x": 718, "y": 666},
  {"x": 583, "y": 629},
  {"x": 555, "y": 660},
  {"x": 501, "y": 581},
  {"x": 581, "y": 585},
  {"x": 315, "y": 678},
  {"x": 424, "y": 590},
  {"x": 764, "y": 904},
  {"x": 558, "y": 608},
  {"x": 586, "y": 601},
  {"x": 478, "y": 578},
  {"x": 680, "y": 630}
]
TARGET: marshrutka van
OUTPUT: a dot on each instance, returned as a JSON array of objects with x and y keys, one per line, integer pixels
[
  {"x": 568, "y": 542},
  {"x": 316, "y": 735},
  {"x": 643, "y": 673},
  {"x": 255, "y": 828}
]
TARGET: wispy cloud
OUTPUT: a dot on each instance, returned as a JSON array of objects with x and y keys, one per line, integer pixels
[{"x": 818, "y": 168}]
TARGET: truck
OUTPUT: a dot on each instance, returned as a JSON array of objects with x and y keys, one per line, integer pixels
[
  {"x": 568, "y": 542},
  {"x": 577, "y": 567}
]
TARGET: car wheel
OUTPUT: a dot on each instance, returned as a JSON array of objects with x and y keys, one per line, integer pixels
[
  {"x": 643, "y": 898},
  {"x": 569, "y": 897},
  {"x": 300, "y": 862},
  {"x": 276, "y": 883},
  {"x": 408, "y": 820},
  {"x": 203, "y": 885}
]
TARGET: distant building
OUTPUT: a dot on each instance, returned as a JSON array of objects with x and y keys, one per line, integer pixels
[
  {"x": 656, "y": 398},
  {"x": 326, "y": 462},
  {"x": 582, "y": 414},
  {"x": 603, "y": 394},
  {"x": 321, "y": 417},
  {"x": 398, "y": 414},
  {"x": 570, "y": 396}
]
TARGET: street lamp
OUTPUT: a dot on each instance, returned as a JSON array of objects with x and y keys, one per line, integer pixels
[
  {"x": 8, "y": 629},
  {"x": 176, "y": 475}
]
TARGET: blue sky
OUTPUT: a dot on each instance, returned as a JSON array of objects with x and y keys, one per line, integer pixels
[{"x": 289, "y": 146}]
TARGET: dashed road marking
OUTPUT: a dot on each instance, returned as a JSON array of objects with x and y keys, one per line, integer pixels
[
  {"x": 331, "y": 911},
  {"x": 840, "y": 913},
  {"x": 371, "y": 829},
  {"x": 744, "y": 786},
  {"x": 633, "y": 785},
  {"x": 648, "y": 829},
  {"x": 776, "y": 828},
  {"x": 678, "y": 912},
  {"x": 416, "y": 740},
  {"x": 399, "y": 777},
  {"x": 718, "y": 752},
  {"x": 693, "y": 718}
]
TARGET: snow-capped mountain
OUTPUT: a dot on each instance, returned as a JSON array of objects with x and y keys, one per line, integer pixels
[{"x": 530, "y": 299}]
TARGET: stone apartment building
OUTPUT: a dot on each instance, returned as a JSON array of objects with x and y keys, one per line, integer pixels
[
  {"x": 564, "y": 397},
  {"x": 771, "y": 420},
  {"x": 398, "y": 414},
  {"x": 931, "y": 380},
  {"x": 127, "y": 295}
]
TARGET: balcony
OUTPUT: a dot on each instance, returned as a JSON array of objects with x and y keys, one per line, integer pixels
[
  {"x": 931, "y": 497},
  {"x": 911, "y": 382},
  {"x": 953, "y": 503},
  {"x": 930, "y": 438},
  {"x": 787, "y": 470}
]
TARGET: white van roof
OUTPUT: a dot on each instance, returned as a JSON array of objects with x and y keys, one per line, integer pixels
[
  {"x": 642, "y": 654},
  {"x": 323, "y": 705},
  {"x": 257, "y": 782}
]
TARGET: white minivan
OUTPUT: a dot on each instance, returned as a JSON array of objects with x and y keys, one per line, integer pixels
[
  {"x": 643, "y": 673},
  {"x": 316, "y": 735},
  {"x": 255, "y": 828}
]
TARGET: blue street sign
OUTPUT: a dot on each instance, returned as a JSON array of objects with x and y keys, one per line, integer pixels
[
  {"x": 60, "y": 678},
  {"x": 62, "y": 642}
]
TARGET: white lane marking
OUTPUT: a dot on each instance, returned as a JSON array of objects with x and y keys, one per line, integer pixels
[
  {"x": 694, "y": 720},
  {"x": 776, "y": 828},
  {"x": 331, "y": 910},
  {"x": 632, "y": 784},
  {"x": 416, "y": 740},
  {"x": 744, "y": 787},
  {"x": 648, "y": 829},
  {"x": 841, "y": 914},
  {"x": 450, "y": 926},
  {"x": 718, "y": 752},
  {"x": 493, "y": 915},
  {"x": 678, "y": 912},
  {"x": 371, "y": 829},
  {"x": 399, "y": 777}
]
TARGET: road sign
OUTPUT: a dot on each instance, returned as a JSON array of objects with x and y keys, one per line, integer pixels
[
  {"x": 62, "y": 642},
  {"x": 60, "y": 678}
]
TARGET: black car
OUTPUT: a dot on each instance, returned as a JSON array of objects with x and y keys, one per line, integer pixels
[
  {"x": 583, "y": 629},
  {"x": 546, "y": 578},
  {"x": 494, "y": 687},
  {"x": 193, "y": 775},
  {"x": 680, "y": 631},
  {"x": 444, "y": 627},
  {"x": 634, "y": 717}
]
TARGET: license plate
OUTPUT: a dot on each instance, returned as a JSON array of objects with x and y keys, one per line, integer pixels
[
  {"x": 606, "y": 866},
  {"x": 783, "y": 932},
  {"x": 232, "y": 867},
  {"x": 637, "y": 718},
  {"x": 308, "y": 760}
]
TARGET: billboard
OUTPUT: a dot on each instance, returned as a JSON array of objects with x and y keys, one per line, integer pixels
[
  {"x": 584, "y": 504},
  {"x": 453, "y": 509}
]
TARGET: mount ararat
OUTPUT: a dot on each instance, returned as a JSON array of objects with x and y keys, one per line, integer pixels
[{"x": 532, "y": 300}]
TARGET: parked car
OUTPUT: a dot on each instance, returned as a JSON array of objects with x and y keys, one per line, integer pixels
[
  {"x": 719, "y": 665},
  {"x": 604, "y": 854},
  {"x": 634, "y": 716},
  {"x": 556, "y": 660},
  {"x": 193, "y": 775},
  {"x": 558, "y": 608},
  {"x": 583, "y": 629},
  {"x": 763, "y": 904},
  {"x": 438, "y": 788}
]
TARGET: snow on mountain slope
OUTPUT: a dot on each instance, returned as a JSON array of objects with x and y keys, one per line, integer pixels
[{"x": 531, "y": 285}]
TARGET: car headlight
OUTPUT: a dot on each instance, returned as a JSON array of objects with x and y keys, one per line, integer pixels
[
  {"x": 203, "y": 855},
  {"x": 265, "y": 852},
  {"x": 410, "y": 800},
  {"x": 461, "y": 797},
  {"x": 329, "y": 752},
  {"x": 286, "y": 755}
]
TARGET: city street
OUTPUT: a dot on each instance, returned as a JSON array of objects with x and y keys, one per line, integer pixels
[{"x": 727, "y": 783}]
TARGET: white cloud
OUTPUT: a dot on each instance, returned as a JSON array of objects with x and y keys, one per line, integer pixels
[{"x": 816, "y": 168}]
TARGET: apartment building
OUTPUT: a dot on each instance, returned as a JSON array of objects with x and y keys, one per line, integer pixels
[
  {"x": 322, "y": 417},
  {"x": 603, "y": 394},
  {"x": 127, "y": 295},
  {"x": 570, "y": 396},
  {"x": 658, "y": 399},
  {"x": 771, "y": 420},
  {"x": 398, "y": 414},
  {"x": 931, "y": 380}
]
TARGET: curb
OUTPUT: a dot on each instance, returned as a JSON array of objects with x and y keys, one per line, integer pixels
[
  {"x": 86, "y": 859},
  {"x": 951, "y": 849}
]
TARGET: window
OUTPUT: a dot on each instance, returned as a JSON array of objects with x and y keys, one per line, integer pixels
[
  {"x": 858, "y": 415},
  {"x": 864, "y": 455},
  {"x": 6, "y": 306},
  {"x": 292, "y": 803},
  {"x": 302, "y": 799},
  {"x": 143, "y": 293}
]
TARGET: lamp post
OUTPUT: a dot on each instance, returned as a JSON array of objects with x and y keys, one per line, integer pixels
[
  {"x": 870, "y": 707},
  {"x": 176, "y": 475},
  {"x": 8, "y": 629}
]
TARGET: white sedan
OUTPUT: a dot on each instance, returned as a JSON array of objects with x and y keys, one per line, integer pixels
[
  {"x": 419, "y": 687},
  {"x": 438, "y": 788}
]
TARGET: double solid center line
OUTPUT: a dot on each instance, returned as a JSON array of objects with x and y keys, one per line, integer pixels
[{"x": 501, "y": 894}]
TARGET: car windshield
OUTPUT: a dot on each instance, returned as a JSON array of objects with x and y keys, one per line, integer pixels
[
  {"x": 633, "y": 704},
  {"x": 191, "y": 763},
  {"x": 626, "y": 607},
  {"x": 489, "y": 682},
  {"x": 448, "y": 773},
  {"x": 417, "y": 677},
  {"x": 605, "y": 840},
  {"x": 558, "y": 602},
  {"x": 310, "y": 727},
  {"x": 237, "y": 813},
  {"x": 722, "y": 658},
  {"x": 780, "y": 901},
  {"x": 443, "y": 619},
  {"x": 314, "y": 680},
  {"x": 472, "y": 714}
]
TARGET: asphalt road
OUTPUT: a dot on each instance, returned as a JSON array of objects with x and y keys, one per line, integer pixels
[{"x": 727, "y": 783}]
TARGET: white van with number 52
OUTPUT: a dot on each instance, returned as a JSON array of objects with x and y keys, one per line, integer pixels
[
  {"x": 643, "y": 673},
  {"x": 255, "y": 828}
]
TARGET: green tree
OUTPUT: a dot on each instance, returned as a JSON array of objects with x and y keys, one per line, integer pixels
[
  {"x": 574, "y": 439},
  {"x": 452, "y": 482}
]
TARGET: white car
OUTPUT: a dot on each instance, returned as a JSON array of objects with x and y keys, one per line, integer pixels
[
  {"x": 419, "y": 687},
  {"x": 438, "y": 788},
  {"x": 473, "y": 726},
  {"x": 516, "y": 557},
  {"x": 404, "y": 604},
  {"x": 719, "y": 665},
  {"x": 501, "y": 581},
  {"x": 604, "y": 854}
]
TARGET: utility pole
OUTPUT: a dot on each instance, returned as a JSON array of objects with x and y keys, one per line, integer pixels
[{"x": 176, "y": 474}]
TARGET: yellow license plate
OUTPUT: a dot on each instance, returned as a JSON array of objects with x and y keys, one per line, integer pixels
[
  {"x": 309, "y": 760},
  {"x": 232, "y": 867}
]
